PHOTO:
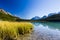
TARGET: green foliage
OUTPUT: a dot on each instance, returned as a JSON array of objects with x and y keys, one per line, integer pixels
[{"x": 7, "y": 17}]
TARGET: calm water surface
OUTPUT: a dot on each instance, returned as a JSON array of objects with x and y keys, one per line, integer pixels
[{"x": 44, "y": 31}]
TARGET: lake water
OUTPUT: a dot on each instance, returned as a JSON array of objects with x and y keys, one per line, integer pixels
[{"x": 44, "y": 31}]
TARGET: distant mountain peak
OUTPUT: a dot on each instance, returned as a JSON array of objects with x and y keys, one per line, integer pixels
[
  {"x": 51, "y": 14},
  {"x": 35, "y": 18},
  {"x": 44, "y": 17},
  {"x": 5, "y": 12}
]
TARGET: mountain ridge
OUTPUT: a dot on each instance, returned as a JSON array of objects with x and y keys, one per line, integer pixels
[
  {"x": 35, "y": 18},
  {"x": 6, "y": 16}
]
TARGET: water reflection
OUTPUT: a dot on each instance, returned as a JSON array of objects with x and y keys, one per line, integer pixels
[
  {"x": 51, "y": 25},
  {"x": 46, "y": 31},
  {"x": 36, "y": 23}
]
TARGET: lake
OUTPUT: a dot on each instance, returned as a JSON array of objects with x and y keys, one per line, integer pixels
[{"x": 44, "y": 31}]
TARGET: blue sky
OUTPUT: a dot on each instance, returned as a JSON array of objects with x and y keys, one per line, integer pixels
[{"x": 27, "y": 9}]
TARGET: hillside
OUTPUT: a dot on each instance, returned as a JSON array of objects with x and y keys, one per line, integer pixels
[
  {"x": 55, "y": 17},
  {"x": 5, "y": 16}
]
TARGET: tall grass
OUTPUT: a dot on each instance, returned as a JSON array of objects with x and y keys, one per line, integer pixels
[{"x": 11, "y": 30}]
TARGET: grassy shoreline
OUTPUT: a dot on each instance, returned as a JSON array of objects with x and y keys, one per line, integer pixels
[{"x": 11, "y": 30}]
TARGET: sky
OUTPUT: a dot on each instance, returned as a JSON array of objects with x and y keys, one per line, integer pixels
[{"x": 27, "y": 9}]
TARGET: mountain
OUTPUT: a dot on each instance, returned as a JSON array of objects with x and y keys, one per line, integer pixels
[
  {"x": 51, "y": 17},
  {"x": 44, "y": 17},
  {"x": 58, "y": 13},
  {"x": 35, "y": 18},
  {"x": 6, "y": 16},
  {"x": 55, "y": 17},
  {"x": 51, "y": 14}
]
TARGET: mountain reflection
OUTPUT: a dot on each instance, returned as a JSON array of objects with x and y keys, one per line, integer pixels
[{"x": 51, "y": 25}]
